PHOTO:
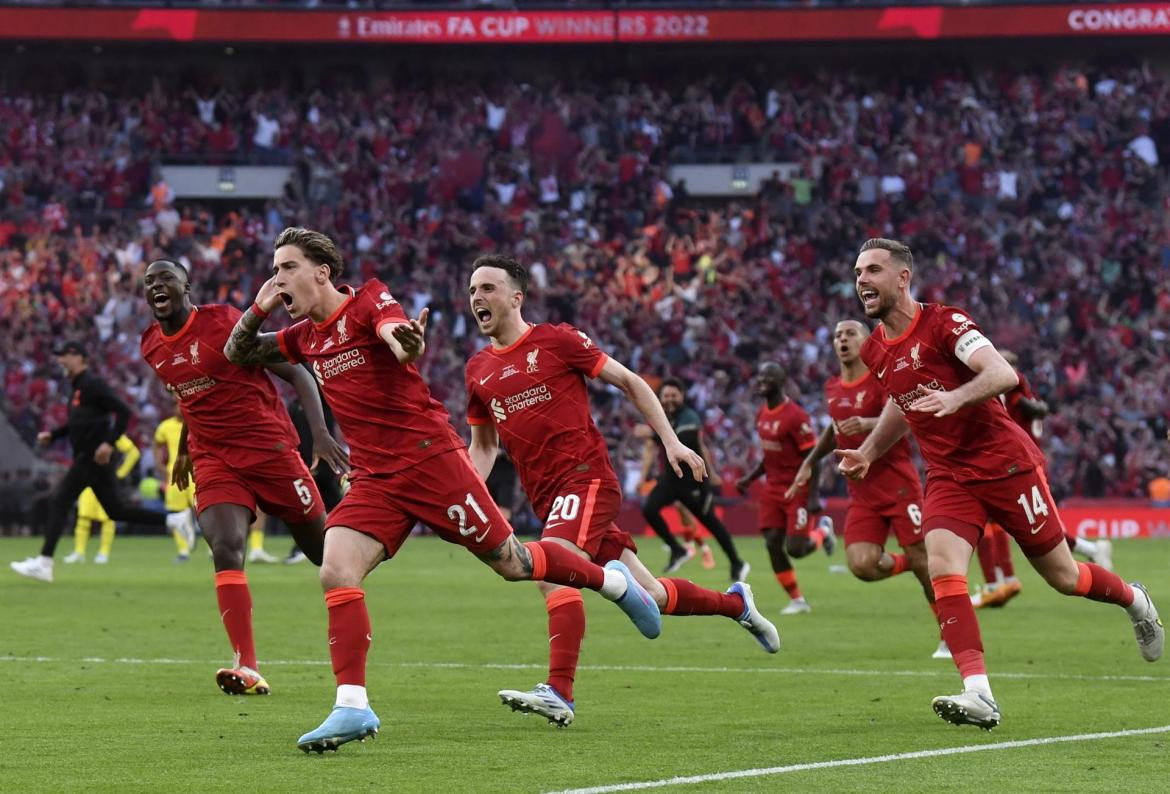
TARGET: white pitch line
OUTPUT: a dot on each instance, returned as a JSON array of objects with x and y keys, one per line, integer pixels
[
  {"x": 875, "y": 759},
  {"x": 944, "y": 671}
]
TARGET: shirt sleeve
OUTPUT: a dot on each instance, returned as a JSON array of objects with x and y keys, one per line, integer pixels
[
  {"x": 104, "y": 397},
  {"x": 959, "y": 334},
  {"x": 381, "y": 306},
  {"x": 160, "y": 436},
  {"x": 289, "y": 340},
  {"x": 477, "y": 412},
  {"x": 578, "y": 351},
  {"x": 802, "y": 432},
  {"x": 130, "y": 456}
]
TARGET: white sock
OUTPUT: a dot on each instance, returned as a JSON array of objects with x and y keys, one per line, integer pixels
[
  {"x": 978, "y": 683},
  {"x": 353, "y": 696},
  {"x": 1085, "y": 547},
  {"x": 614, "y": 586},
  {"x": 1137, "y": 610},
  {"x": 1011, "y": 580}
]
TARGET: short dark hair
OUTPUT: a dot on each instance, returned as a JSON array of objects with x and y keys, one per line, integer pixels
[
  {"x": 516, "y": 271},
  {"x": 675, "y": 382},
  {"x": 316, "y": 247},
  {"x": 179, "y": 266},
  {"x": 898, "y": 250}
]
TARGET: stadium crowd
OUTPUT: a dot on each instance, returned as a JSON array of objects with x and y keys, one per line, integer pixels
[{"x": 1035, "y": 199}]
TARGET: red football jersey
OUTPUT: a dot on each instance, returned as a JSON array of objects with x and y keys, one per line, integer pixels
[
  {"x": 229, "y": 410},
  {"x": 534, "y": 390},
  {"x": 383, "y": 407},
  {"x": 891, "y": 478},
  {"x": 1033, "y": 427},
  {"x": 979, "y": 442},
  {"x": 786, "y": 434}
]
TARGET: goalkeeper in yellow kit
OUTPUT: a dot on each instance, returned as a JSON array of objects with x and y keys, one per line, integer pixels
[
  {"x": 90, "y": 511},
  {"x": 170, "y": 446}
]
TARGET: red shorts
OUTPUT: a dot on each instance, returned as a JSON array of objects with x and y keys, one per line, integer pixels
[
  {"x": 583, "y": 513},
  {"x": 786, "y": 515},
  {"x": 1021, "y": 504},
  {"x": 444, "y": 492},
  {"x": 866, "y": 523},
  {"x": 280, "y": 485}
]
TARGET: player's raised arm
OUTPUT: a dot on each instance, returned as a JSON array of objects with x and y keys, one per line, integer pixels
[
  {"x": 644, "y": 399},
  {"x": 246, "y": 345},
  {"x": 993, "y": 377},
  {"x": 406, "y": 339},
  {"x": 325, "y": 446},
  {"x": 890, "y": 428},
  {"x": 485, "y": 441}
]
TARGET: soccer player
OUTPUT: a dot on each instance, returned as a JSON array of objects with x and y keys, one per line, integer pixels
[
  {"x": 994, "y": 550},
  {"x": 168, "y": 441},
  {"x": 528, "y": 389},
  {"x": 682, "y": 486},
  {"x": 889, "y": 500},
  {"x": 942, "y": 375},
  {"x": 240, "y": 446},
  {"x": 90, "y": 512},
  {"x": 409, "y": 465},
  {"x": 786, "y": 435},
  {"x": 92, "y": 435}
]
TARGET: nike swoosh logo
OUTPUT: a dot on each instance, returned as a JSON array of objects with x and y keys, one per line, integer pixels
[
  {"x": 159, "y": 365},
  {"x": 479, "y": 538},
  {"x": 332, "y": 640},
  {"x": 882, "y": 374},
  {"x": 223, "y": 614},
  {"x": 485, "y": 380},
  {"x": 552, "y": 524},
  {"x": 306, "y": 510},
  {"x": 553, "y": 637},
  {"x": 1037, "y": 529}
]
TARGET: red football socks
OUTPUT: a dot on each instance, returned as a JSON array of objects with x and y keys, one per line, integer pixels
[
  {"x": 566, "y": 628},
  {"x": 987, "y": 557},
  {"x": 553, "y": 563},
  {"x": 1098, "y": 584},
  {"x": 901, "y": 564},
  {"x": 235, "y": 609},
  {"x": 1003, "y": 553},
  {"x": 787, "y": 580},
  {"x": 684, "y": 597},
  {"x": 349, "y": 634},
  {"x": 959, "y": 626}
]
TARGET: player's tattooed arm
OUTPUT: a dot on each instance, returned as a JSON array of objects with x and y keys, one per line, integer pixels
[{"x": 247, "y": 347}]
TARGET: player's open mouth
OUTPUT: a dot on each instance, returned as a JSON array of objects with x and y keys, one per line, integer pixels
[
  {"x": 483, "y": 315},
  {"x": 868, "y": 296},
  {"x": 286, "y": 299},
  {"x": 160, "y": 300}
]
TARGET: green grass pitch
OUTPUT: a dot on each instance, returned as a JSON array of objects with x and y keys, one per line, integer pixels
[{"x": 108, "y": 685}]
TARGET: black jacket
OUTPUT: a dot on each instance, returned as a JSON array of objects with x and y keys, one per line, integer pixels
[{"x": 91, "y": 405}]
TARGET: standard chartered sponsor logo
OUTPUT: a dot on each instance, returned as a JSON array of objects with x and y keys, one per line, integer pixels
[
  {"x": 498, "y": 410},
  {"x": 187, "y": 388},
  {"x": 527, "y": 398},
  {"x": 340, "y": 363}
]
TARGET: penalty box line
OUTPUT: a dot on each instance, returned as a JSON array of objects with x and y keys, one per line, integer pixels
[
  {"x": 944, "y": 671},
  {"x": 866, "y": 761}
]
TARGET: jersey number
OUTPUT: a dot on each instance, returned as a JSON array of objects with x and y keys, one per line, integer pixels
[
  {"x": 1038, "y": 507},
  {"x": 457, "y": 514},
  {"x": 303, "y": 492},
  {"x": 915, "y": 513},
  {"x": 564, "y": 508},
  {"x": 801, "y": 517}
]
